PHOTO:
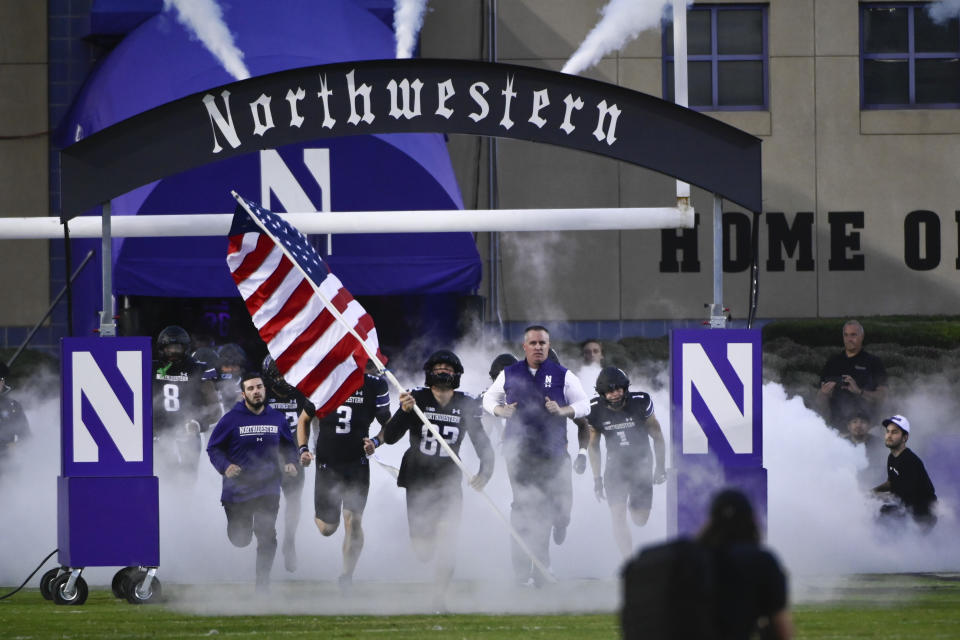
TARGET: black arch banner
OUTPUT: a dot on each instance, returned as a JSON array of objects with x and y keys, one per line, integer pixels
[{"x": 405, "y": 96}]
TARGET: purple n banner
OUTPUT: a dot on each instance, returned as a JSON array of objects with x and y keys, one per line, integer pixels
[
  {"x": 107, "y": 495},
  {"x": 107, "y": 424},
  {"x": 716, "y": 422}
]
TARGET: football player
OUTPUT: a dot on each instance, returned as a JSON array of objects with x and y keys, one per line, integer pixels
[
  {"x": 231, "y": 363},
  {"x": 14, "y": 426},
  {"x": 626, "y": 421},
  {"x": 207, "y": 358},
  {"x": 297, "y": 410},
  {"x": 183, "y": 404},
  {"x": 431, "y": 478},
  {"x": 342, "y": 480},
  {"x": 498, "y": 364}
]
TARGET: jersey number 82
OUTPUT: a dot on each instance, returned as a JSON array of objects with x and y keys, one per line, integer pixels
[{"x": 429, "y": 445}]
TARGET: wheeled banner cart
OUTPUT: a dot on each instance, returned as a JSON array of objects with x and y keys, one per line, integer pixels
[{"x": 107, "y": 496}]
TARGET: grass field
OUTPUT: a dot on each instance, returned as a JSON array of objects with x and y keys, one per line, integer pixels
[{"x": 868, "y": 606}]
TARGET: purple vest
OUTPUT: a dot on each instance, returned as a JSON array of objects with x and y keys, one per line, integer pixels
[{"x": 532, "y": 429}]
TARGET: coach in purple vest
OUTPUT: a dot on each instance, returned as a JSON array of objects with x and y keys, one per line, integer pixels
[{"x": 536, "y": 396}]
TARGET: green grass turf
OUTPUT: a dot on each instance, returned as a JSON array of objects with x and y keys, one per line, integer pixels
[
  {"x": 887, "y": 606},
  {"x": 875, "y": 606},
  {"x": 103, "y": 617}
]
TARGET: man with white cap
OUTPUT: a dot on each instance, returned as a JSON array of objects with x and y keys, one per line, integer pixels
[{"x": 907, "y": 478}]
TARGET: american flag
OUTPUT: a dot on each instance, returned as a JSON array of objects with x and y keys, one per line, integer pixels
[{"x": 300, "y": 308}]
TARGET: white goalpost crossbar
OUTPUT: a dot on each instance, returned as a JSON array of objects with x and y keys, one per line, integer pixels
[{"x": 471, "y": 220}]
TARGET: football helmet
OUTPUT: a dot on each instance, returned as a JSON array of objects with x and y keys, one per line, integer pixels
[
  {"x": 611, "y": 378},
  {"x": 448, "y": 380},
  {"x": 173, "y": 343},
  {"x": 232, "y": 355},
  {"x": 271, "y": 375},
  {"x": 205, "y": 355},
  {"x": 500, "y": 363}
]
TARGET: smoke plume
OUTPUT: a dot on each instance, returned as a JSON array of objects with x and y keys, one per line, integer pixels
[
  {"x": 943, "y": 10},
  {"x": 407, "y": 20},
  {"x": 820, "y": 523},
  {"x": 204, "y": 19},
  {"x": 621, "y": 21}
]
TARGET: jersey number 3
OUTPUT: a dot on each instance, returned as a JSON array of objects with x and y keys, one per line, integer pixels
[{"x": 343, "y": 424}]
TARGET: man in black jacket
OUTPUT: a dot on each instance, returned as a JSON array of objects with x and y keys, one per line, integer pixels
[
  {"x": 851, "y": 380},
  {"x": 907, "y": 478}
]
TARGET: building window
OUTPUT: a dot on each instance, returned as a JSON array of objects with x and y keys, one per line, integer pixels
[
  {"x": 726, "y": 57},
  {"x": 908, "y": 60}
]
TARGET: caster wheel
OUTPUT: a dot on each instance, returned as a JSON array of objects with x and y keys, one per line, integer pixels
[
  {"x": 118, "y": 584},
  {"x": 79, "y": 595},
  {"x": 46, "y": 581},
  {"x": 133, "y": 583}
]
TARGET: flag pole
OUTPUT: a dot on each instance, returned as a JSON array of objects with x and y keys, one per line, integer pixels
[
  {"x": 396, "y": 383},
  {"x": 453, "y": 456}
]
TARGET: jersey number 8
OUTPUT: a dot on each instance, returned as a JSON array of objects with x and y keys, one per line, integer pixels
[{"x": 171, "y": 397}]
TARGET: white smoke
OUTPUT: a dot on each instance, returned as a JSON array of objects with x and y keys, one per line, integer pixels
[
  {"x": 820, "y": 524},
  {"x": 621, "y": 21},
  {"x": 823, "y": 527},
  {"x": 407, "y": 21},
  {"x": 943, "y": 10},
  {"x": 204, "y": 19},
  {"x": 527, "y": 251}
]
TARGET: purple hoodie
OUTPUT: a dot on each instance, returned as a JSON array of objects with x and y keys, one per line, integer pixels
[{"x": 259, "y": 444}]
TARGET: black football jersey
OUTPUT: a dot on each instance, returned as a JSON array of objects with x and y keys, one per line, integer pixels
[
  {"x": 180, "y": 395},
  {"x": 625, "y": 431},
  {"x": 290, "y": 406},
  {"x": 426, "y": 460},
  {"x": 340, "y": 434}
]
